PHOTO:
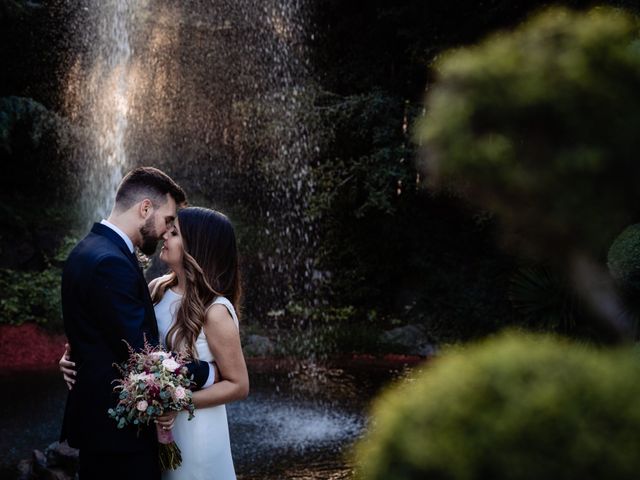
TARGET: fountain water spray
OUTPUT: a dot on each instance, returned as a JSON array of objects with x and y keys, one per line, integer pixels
[
  {"x": 99, "y": 96},
  {"x": 219, "y": 94}
]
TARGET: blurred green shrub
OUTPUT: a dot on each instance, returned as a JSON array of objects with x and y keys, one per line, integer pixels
[
  {"x": 517, "y": 407},
  {"x": 539, "y": 125}
]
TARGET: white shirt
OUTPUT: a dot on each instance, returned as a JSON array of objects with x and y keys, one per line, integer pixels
[{"x": 212, "y": 374}]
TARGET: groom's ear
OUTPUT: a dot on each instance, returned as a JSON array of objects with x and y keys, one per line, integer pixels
[{"x": 145, "y": 208}]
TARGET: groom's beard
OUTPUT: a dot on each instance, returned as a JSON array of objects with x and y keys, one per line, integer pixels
[{"x": 149, "y": 237}]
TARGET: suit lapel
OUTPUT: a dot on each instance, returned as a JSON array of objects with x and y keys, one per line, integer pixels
[{"x": 105, "y": 231}]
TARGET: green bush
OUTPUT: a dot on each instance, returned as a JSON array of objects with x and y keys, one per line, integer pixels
[
  {"x": 303, "y": 330},
  {"x": 36, "y": 147},
  {"x": 31, "y": 297},
  {"x": 513, "y": 407},
  {"x": 623, "y": 259},
  {"x": 539, "y": 126}
]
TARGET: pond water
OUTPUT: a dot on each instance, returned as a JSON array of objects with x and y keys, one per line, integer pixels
[{"x": 298, "y": 422}]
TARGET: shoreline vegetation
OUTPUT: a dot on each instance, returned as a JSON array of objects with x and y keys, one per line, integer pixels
[{"x": 45, "y": 348}]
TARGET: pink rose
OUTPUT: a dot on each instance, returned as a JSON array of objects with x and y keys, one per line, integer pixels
[
  {"x": 180, "y": 393},
  {"x": 142, "y": 405},
  {"x": 170, "y": 364}
]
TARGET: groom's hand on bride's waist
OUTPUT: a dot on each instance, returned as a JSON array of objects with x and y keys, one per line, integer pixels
[{"x": 67, "y": 367}]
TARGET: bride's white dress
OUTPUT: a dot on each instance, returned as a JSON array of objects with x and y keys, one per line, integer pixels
[{"x": 203, "y": 441}]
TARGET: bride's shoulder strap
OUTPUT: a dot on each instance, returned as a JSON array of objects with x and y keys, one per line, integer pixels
[{"x": 225, "y": 301}]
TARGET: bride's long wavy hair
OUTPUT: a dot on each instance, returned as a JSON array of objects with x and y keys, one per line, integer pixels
[{"x": 211, "y": 267}]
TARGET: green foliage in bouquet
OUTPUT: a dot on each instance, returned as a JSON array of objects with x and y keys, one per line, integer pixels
[
  {"x": 517, "y": 407},
  {"x": 539, "y": 125}
]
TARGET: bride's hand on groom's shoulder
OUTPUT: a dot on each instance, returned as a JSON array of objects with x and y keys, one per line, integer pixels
[{"x": 67, "y": 367}]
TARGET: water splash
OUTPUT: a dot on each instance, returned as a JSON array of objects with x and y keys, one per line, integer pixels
[{"x": 294, "y": 426}]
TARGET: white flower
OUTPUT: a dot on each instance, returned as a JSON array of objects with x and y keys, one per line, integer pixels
[
  {"x": 162, "y": 355},
  {"x": 142, "y": 405},
  {"x": 180, "y": 393},
  {"x": 170, "y": 364},
  {"x": 136, "y": 377}
]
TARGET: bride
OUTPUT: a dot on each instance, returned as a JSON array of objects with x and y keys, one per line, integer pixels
[{"x": 195, "y": 306}]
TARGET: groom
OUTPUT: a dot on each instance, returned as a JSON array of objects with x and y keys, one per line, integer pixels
[{"x": 105, "y": 300}]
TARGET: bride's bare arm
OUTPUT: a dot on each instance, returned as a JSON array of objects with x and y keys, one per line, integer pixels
[{"x": 224, "y": 341}]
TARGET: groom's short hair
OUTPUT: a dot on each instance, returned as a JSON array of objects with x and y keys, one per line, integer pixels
[{"x": 147, "y": 182}]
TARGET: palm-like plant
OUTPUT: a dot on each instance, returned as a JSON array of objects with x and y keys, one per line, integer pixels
[{"x": 544, "y": 299}]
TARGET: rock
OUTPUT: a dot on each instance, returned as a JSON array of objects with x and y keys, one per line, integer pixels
[
  {"x": 258, "y": 346},
  {"x": 410, "y": 340},
  {"x": 39, "y": 462},
  {"x": 24, "y": 470},
  {"x": 57, "y": 474},
  {"x": 58, "y": 462},
  {"x": 62, "y": 455}
]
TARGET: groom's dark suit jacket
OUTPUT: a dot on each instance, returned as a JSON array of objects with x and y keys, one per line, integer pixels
[{"x": 105, "y": 300}]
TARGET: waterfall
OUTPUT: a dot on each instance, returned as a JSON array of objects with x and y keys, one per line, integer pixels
[
  {"x": 99, "y": 96},
  {"x": 218, "y": 95}
]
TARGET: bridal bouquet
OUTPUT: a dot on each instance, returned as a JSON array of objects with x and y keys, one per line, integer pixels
[{"x": 154, "y": 382}]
